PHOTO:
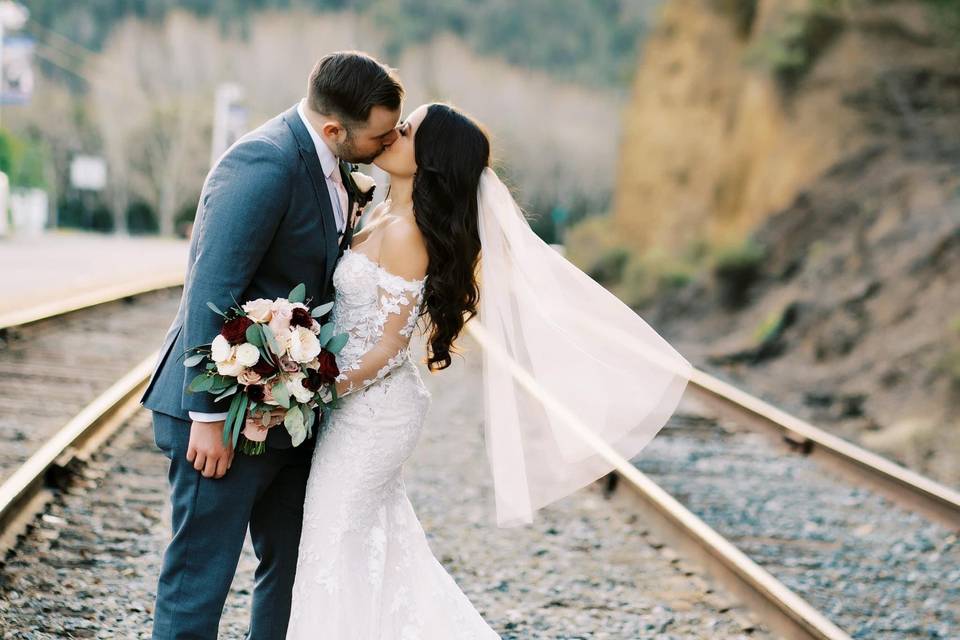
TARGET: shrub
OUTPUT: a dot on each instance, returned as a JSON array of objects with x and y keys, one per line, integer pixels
[
  {"x": 741, "y": 12},
  {"x": 736, "y": 269},
  {"x": 608, "y": 268},
  {"x": 791, "y": 51}
]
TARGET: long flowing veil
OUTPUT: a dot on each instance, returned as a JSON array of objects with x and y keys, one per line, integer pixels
[{"x": 559, "y": 350}]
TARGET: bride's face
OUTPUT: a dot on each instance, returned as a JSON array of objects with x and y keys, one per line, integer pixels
[{"x": 398, "y": 159}]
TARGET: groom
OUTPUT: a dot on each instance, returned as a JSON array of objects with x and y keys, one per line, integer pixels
[{"x": 274, "y": 211}]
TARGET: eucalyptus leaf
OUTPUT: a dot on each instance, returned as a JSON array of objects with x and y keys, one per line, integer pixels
[
  {"x": 321, "y": 310},
  {"x": 192, "y": 387},
  {"x": 231, "y": 416},
  {"x": 226, "y": 394},
  {"x": 253, "y": 335},
  {"x": 326, "y": 332},
  {"x": 298, "y": 294},
  {"x": 336, "y": 343},
  {"x": 240, "y": 417},
  {"x": 220, "y": 383},
  {"x": 271, "y": 340},
  {"x": 281, "y": 394},
  {"x": 216, "y": 309},
  {"x": 295, "y": 425},
  {"x": 202, "y": 382},
  {"x": 194, "y": 360}
]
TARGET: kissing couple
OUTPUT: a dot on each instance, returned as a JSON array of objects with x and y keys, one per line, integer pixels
[{"x": 341, "y": 554}]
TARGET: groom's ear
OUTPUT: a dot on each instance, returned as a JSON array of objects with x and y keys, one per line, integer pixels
[{"x": 332, "y": 129}]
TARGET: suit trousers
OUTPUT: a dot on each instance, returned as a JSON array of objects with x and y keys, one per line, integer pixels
[{"x": 264, "y": 493}]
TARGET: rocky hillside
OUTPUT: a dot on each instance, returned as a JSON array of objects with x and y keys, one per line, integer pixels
[
  {"x": 739, "y": 104},
  {"x": 829, "y": 139}
]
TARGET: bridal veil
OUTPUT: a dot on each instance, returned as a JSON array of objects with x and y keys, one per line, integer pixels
[{"x": 569, "y": 370}]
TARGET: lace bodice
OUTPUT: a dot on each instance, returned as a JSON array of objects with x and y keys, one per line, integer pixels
[{"x": 379, "y": 311}]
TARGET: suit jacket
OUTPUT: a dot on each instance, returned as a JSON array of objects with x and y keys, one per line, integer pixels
[{"x": 264, "y": 224}]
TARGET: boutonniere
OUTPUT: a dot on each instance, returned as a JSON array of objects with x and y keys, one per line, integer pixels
[{"x": 361, "y": 185}]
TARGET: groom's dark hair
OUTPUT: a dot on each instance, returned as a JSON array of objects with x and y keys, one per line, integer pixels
[{"x": 348, "y": 84}]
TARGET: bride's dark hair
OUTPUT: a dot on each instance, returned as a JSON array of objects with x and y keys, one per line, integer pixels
[{"x": 451, "y": 152}]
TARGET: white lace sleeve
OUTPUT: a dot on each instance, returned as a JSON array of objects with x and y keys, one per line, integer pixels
[
  {"x": 398, "y": 309},
  {"x": 401, "y": 278}
]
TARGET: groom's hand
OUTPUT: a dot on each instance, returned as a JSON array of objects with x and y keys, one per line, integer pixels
[{"x": 206, "y": 450}]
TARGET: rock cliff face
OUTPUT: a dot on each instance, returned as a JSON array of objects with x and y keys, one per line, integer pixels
[
  {"x": 739, "y": 104},
  {"x": 842, "y": 167}
]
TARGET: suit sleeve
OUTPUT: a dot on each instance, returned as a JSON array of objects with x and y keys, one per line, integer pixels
[{"x": 245, "y": 198}]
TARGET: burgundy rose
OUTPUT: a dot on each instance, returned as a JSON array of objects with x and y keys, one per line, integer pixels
[
  {"x": 328, "y": 368},
  {"x": 301, "y": 318},
  {"x": 235, "y": 331},
  {"x": 255, "y": 392},
  {"x": 263, "y": 368},
  {"x": 313, "y": 381}
]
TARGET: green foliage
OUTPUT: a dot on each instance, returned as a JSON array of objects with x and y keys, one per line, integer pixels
[
  {"x": 736, "y": 269},
  {"x": 769, "y": 327},
  {"x": 609, "y": 266},
  {"x": 592, "y": 42},
  {"x": 741, "y": 12},
  {"x": 791, "y": 51},
  {"x": 946, "y": 15},
  {"x": 22, "y": 160},
  {"x": 949, "y": 366}
]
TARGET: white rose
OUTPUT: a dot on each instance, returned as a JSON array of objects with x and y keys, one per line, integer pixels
[
  {"x": 259, "y": 310},
  {"x": 303, "y": 344},
  {"x": 247, "y": 354},
  {"x": 230, "y": 368},
  {"x": 296, "y": 388},
  {"x": 220, "y": 349},
  {"x": 363, "y": 181}
]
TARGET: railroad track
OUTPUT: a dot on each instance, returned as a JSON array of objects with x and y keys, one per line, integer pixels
[
  {"x": 755, "y": 577},
  {"x": 66, "y": 382},
  {"x": 926, "y": 569}
]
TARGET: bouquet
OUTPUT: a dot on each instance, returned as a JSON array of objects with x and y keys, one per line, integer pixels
[{"x": 270, "y": 354}]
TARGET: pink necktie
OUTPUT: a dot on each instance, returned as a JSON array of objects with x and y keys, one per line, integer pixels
[{"x": 342, "y": 196}]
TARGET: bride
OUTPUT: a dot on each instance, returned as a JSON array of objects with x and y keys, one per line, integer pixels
[{"x": 365, "y": 570}]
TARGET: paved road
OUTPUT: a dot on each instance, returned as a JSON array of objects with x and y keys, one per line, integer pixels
[{"x": 60, "y": 264}]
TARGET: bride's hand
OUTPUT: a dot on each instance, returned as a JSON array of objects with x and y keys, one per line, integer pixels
[{"x": 276, "y": 417}]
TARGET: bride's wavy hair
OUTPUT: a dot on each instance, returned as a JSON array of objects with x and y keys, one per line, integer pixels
[{"x": 451, "y": 152}]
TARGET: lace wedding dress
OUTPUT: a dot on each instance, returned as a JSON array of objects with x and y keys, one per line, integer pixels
[{"x": 365, "y": 570}]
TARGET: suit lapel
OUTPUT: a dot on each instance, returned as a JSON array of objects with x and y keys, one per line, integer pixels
[{"x": 311, "y": 160}]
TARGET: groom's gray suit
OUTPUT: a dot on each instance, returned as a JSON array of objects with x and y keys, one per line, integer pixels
[{"x": 264, "y": 224}]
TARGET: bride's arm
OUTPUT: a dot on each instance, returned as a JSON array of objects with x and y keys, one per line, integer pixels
[{"x": 404, "y": 258}]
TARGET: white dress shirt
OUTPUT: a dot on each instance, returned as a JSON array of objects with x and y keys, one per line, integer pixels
[{"x": 329, "y": 164}]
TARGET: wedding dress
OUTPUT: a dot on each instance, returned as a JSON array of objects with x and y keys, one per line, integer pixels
[{"x": 365, "y": 570}]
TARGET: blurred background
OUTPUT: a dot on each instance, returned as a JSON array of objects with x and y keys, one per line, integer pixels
[{"x": 773, "y": 184}]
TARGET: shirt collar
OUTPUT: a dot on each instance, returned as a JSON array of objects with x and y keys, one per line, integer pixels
[{"x": 327, "y": 160}]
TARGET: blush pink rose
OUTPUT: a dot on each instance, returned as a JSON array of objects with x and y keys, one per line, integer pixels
[
  {"x": 248, "y": 377},
  {"x": 288, "y": 364},
  {"x": 255, "y": 432},
  {"x": 282, "y": 313}
]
